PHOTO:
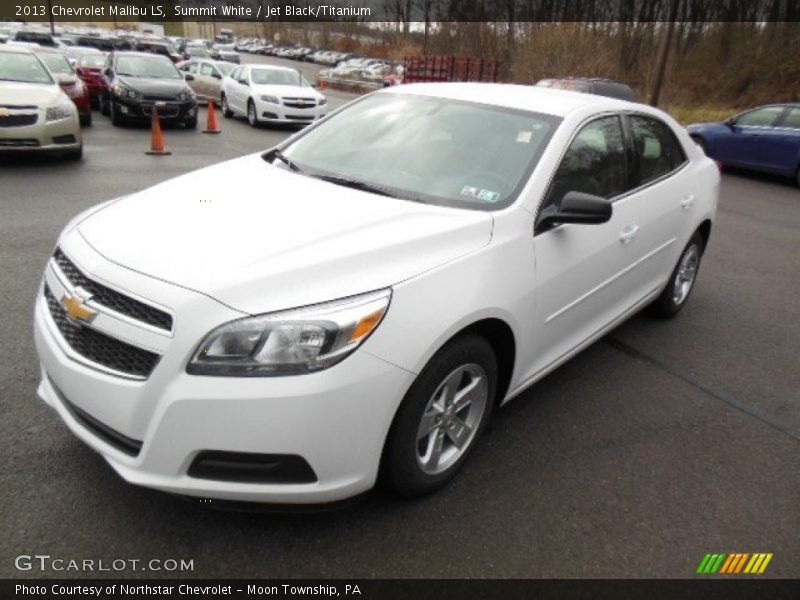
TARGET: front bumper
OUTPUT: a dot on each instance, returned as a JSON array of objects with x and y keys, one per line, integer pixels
[
  {"x": 281, "y": 113},
  {"x": 336, "y": 420},
  {"x": 43, "y": 135},
  {"x": 168, "y": 110}
]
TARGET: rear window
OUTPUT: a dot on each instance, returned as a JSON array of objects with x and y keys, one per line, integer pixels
[
  {"x": 92, "y": 60},
  {"x": 43, "y": 39}
]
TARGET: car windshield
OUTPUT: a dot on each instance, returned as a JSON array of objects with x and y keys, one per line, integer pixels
[
  {"x": 92, "y": 60},
  {"x": 226, "y": 68},
  {"x": 275, "y": 77},
  {"x": 26, "y": 68},
  {"x": 432, "y": 150},
  {"x": 147, "y": 66},
  {"x": 57, "y": 63}
]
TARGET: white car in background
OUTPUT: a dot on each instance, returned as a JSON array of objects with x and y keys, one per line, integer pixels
[
  {"x": 35, "y": 113},
  {"x": 271, "y": 94},
  {"x": 359, "y": 299}
]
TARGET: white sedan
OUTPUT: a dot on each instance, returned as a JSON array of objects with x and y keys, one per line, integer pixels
[
  {"x": 271, "y": 94},
  {"x": 355, "y": 302}
]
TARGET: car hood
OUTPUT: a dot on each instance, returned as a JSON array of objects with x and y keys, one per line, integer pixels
[
  {"x": 260, "y": 238},
  {"x": 29, "y": 94},
  {"x": 148, "y": 85}
]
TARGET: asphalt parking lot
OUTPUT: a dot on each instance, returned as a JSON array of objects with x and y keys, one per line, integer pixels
[{"x": 658, "y": 444}]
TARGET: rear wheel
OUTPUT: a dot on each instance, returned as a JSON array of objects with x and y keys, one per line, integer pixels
[
  {"x": 797, "y": 176},
  {"x": 441, "y": 417},
  {"x": 86, "y": 119},
  {"x": 681, "y": 281}
]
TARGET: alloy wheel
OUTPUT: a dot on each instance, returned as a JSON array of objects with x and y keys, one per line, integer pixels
[
  {"x": 451, "y": 418},
  {"x": 686, "y": 275}
]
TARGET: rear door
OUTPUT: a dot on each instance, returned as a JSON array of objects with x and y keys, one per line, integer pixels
[
  {"x": 212, "y": 81},
  {"x": 664, "y": 197}
]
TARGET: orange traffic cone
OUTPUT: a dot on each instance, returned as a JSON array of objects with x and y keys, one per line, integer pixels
[
  {"x": 157, "y": 146},
  {"x": 211, "y": 123}
]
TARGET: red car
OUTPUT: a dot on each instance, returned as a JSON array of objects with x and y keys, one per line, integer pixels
[
  {"x": 89, "y": 68},
  {"x": 59, "y": 66}
]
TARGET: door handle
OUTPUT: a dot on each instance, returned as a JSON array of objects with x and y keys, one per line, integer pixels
[
  {"x": 628, "y": 234},
  {"x": 687, "y": 201}
]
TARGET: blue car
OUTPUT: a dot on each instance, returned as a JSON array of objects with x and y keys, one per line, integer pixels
[{"x": 766, "y": 138}]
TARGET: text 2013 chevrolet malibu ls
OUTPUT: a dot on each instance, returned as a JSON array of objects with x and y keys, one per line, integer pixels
[{"x": 292, "y": 326}]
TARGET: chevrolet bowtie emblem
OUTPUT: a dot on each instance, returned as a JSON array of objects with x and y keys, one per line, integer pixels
[{"x": 77, "y": 310}]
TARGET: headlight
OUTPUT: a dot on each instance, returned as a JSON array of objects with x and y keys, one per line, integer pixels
[
  {"x": 322, "y": 101},
  {"x": 290, "y": 342},
  {"x": 61, "y": 111},
  {"x": 125, "y": 92},
  {"x": 272, "y": 99}
]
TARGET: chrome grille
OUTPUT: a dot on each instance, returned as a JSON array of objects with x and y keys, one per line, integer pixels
[
  {"x": 112, "y": 299},
  {"x": 98, "y": 347}
]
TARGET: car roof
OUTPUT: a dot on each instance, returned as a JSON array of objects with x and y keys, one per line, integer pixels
[
  {"x": 271, "y": 67},
  {"x": 522, "y": 97},
  {"x": 140, "y": 54}
]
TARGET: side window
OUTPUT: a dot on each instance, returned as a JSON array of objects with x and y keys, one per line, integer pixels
[
  {"x": 208, "y": 70},
  {"x": 237, "y": 74},
  {"x": 792, "y": 120},
  {"x": 760, "y": 117},
  {"x": 192, "y": 67},
  {"x": 656, "y": 149},
  {"x": 595, "y": 163}
]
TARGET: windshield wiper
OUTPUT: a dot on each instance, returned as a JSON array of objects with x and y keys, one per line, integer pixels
[
  {"x": 358, "y": 185},
  {"x": 276, "y": 153}
]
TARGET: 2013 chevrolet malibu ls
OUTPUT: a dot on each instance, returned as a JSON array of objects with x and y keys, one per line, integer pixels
[{"x": 351, "y": 306}]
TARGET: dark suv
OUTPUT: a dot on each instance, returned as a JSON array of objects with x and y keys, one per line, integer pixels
[
  {"x": 136, "y": 82},
  {"x": 591, "y": 85}
]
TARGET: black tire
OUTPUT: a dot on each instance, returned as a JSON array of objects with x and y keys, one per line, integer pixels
[
  {"x": 116, "y": 118},
  {"x": 86, "y": 120},
  {"x": 226, "y": 110},
  {"x": 797, "y": 177},
  {"x": 190, "y": 123},
  {"x": 702, "y": 143},
  {"x": 252, "y": 116},
  {"x": 401, "y": 468},
  {"x": 670, "y": 302},
  {"x": 104, "y": 110}
]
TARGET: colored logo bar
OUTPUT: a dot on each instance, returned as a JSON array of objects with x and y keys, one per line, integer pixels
[{"x": 734, "y": 563}]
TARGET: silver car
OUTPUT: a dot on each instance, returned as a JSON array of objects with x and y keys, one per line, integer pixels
[
  {"x": 35, "y": 113},
  {"x": 205, "y": 76}
]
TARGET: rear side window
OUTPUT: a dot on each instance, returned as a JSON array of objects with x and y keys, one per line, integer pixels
[
  {"x": 594, "y": 163},
  {"x": 792, "y": 119},
  {"x": 760, "y": 117},
  {"x": 656, "y": 150},
  {"x": 208, "y": 70}
]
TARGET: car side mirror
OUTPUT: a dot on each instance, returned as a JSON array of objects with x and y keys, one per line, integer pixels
[
  {"x": 244, "y": 82},
  {"x": 578, "y": 208},
  {"x": 216, "y": 76},
  {"x": 188, "y": 77},
  {"x": 110, "y": 73},
  {"x": 730, "y": 121}
]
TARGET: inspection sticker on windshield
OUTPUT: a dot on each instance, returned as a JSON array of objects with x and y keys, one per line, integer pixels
[
  {"x": 524, "y": 137},
  {"x": 480, "y": 194}
]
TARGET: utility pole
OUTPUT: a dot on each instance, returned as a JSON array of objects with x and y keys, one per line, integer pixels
[
  {"x": 662, "y": 60},
  {"x": 50, "y": 12}
]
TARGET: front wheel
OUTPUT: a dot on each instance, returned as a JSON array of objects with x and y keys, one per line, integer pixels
[
  {"x": 104, "y": 101},
  {"x": 252, "y": 116},
  {"x": 681, "y": 281},
  {"x": 116, "y": 117},
  {"x": 226, "y": 109},
  {"x": 441, "y": 417}
]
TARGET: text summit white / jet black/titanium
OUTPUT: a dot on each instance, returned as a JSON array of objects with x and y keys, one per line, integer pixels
[{"x": 294, "y": 326}]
